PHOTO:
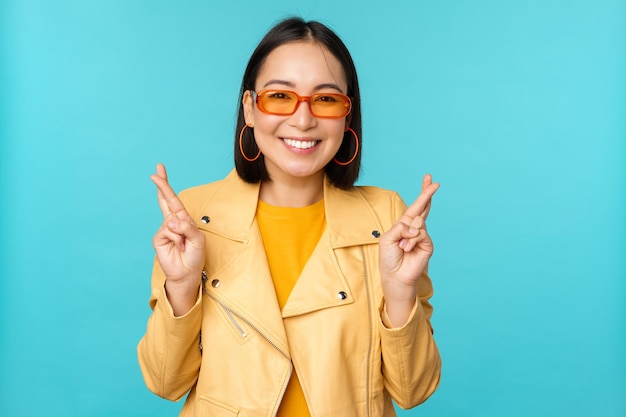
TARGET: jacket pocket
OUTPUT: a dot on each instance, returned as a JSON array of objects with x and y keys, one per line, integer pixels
[{"x": 207, "y": 407}]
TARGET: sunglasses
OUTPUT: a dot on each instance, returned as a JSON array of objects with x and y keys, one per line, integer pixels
[{"x": 285, "y": 103}]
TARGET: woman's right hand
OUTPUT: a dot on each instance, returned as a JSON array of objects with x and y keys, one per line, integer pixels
[{"x": 179, "y": 247}]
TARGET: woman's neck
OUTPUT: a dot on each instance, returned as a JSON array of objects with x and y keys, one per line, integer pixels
[{"x": 293, "y": 191}]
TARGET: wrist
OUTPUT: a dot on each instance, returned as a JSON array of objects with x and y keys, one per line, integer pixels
[
  {"x": 396, "y": 314},
  {"x": 399, "y": 292},
  {"x": 182, "y": 295}
]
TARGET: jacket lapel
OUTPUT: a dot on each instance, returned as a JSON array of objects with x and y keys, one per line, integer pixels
[
  {"x": 245, "y": 284},
  {"x": 350, "y": 221}
]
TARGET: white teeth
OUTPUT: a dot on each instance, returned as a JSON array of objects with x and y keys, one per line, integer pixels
[{"x": 300, "y": 144}]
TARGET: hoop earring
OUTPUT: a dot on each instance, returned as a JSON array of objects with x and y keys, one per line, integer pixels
[
  {"x": 356, "y": 151},
  {"x": 241, "y": 146}
]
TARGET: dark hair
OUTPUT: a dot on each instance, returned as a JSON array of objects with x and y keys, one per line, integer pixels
[{"x": 292, "y": 30}]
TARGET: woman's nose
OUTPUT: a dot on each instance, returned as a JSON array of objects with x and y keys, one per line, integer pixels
[{"x": 303, "y": 119}]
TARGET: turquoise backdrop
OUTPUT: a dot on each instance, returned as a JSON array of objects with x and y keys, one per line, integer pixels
[{"x": 517, "y": 107}]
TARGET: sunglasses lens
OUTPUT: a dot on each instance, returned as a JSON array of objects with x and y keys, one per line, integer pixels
[
  {"x": 278, "y": 102},
  {"x": 321, "y": 105},
  {"x": 330, "y": 105}
]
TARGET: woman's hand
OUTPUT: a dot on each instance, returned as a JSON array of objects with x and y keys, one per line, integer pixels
[
  {"x": 405, "y": 250},
  {"x": 179, "y": 247}
]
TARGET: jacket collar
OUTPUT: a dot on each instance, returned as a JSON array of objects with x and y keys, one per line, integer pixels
[
  {"x": 323, "y": 283},
  {"x": 350, "y": 220}
]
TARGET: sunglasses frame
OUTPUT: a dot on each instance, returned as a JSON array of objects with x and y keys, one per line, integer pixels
[{"x": 259, "y": 103}]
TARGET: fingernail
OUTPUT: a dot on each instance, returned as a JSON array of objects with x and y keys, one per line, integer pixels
[
  {"x": 173, "y": 224},
  {"x": 413, "y": 230},
  {"x": 402, "y": 243}
]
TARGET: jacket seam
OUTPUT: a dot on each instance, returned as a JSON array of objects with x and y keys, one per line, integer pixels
[{"x": 371, "y": 331}]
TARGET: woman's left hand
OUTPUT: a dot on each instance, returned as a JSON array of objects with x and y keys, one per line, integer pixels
[{"x": 405, "y": 250}]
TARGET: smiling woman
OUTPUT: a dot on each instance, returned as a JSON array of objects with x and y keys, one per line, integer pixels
[
  {"x": 284, "y": 289},
  {"x": 298, "y": 144}
]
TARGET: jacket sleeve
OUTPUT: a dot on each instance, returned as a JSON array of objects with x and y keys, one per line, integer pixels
[
  {"x": 169, "y": 352},
  {"x": 411, "y": 364}
]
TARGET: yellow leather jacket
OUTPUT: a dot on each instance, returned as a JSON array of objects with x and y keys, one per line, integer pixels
[{"x": 235, "y": 350}]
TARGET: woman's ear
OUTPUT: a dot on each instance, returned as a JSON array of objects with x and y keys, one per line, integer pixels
[
  {"x": 348, "y": 121},
  {"x": 248, "y": 108}
]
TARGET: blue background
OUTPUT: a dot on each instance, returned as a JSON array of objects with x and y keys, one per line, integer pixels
[{"x": 517, "y": 107}]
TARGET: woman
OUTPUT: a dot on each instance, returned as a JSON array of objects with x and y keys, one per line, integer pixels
[{"x": 284, "y": 289}]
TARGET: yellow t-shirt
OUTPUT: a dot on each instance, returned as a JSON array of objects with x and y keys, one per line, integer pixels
[{"x": 289, "y": 237}]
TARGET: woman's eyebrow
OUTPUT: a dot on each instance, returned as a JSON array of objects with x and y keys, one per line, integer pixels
[
  {"x": 292, "y": 85},
  {"x": 328, "y": 85},
  {"x": 281, "y": 82}
]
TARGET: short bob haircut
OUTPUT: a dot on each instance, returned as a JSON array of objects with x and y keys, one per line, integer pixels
[{"x": 292, "y": 30}]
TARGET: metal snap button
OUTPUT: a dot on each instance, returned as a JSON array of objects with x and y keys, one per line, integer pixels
[
  {"x": 215, "y": 283},
  {"x": 375, "y": 233},
  {"x": 205, "y": 219},
  {"x": 342, "y": 295}
]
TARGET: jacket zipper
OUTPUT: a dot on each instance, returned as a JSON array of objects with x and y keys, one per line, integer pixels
[
  {"x": 369, "y": 350},
  {"x": 231, "y": 315},
  {"x": 242, "y": 332}
]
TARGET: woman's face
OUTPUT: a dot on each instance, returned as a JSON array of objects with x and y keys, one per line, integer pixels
[{"x": 297, "y": 146}]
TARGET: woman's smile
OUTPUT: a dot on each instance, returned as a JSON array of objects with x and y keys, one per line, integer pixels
[
  {"x": 300, "y": 144},
  {"x": 297, "y": 146}
]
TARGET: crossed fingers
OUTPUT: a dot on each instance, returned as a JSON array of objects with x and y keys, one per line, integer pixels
[
  {"x": 168, "y": 200},
  {"x": 415, "y": 215},
  {"x": 421, "y": 206}
]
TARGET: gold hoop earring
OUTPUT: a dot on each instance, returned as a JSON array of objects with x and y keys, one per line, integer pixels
[
  {"x": 356, "y": 151},
  {"x": 241, "y": 146}
]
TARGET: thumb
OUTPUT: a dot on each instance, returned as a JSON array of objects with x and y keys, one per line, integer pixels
[
  {"x": 398, "y": 233},
  {"x": 192, "y": 235}
]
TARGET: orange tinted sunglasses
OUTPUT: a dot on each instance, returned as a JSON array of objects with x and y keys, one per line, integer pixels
[{"x": 285, "y": 103}]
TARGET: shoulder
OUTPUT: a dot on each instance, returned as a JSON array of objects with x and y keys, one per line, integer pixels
[
  {"x": 231, "y": 200},
  {"x": 381, "y": 200},
  {"x": 197, "y": 197},
  {"x": 368, "y": 207},
  {"x": 200, "y": 192},
  {"x": 372, "y": 193}
]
